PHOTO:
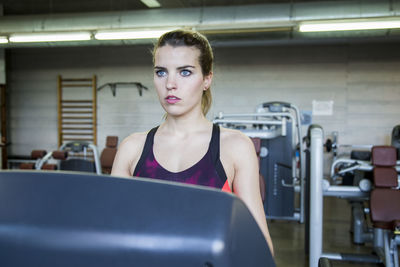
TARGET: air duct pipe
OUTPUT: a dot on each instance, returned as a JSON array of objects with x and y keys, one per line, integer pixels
[{"x": 207, "y": 19}]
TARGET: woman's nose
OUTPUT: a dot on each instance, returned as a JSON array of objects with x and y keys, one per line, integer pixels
[{"x": 171, "y": 83}]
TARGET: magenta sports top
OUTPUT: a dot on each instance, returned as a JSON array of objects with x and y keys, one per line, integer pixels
[{"x": 207, "y": 172}]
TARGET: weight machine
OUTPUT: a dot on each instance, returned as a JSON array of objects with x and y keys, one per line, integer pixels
[
  {"x": 277, "y": 125},
  {"x": 385, "y": 250}
]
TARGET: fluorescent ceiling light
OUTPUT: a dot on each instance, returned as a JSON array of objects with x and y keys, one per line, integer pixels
[
  {"x": 50, "y": 37},
  {"x": 348, "y": 25},
  {"x": 3, "y": 40},
  {"x": 151, "y": 3},
  {"x": 129, "y": 34}
]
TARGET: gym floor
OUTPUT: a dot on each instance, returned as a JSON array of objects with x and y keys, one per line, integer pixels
[{"x": 288, "y": 237}]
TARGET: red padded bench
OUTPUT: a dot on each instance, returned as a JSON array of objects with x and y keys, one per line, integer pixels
[{"x": 385, "y": 198}]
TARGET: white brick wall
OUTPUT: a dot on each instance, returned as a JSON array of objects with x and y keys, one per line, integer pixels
[{"x": 362, "y": 80}]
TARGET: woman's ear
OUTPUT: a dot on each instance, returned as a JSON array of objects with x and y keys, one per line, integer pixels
[{"x": 207, "y": 81}]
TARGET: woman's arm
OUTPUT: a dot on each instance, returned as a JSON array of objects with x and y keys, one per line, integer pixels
[
  {"x": 128, "y": 155},
  {"x": 246, "y": 180}
]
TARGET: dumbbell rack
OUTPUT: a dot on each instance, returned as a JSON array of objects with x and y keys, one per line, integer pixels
[{"x": 77, "y": 111}]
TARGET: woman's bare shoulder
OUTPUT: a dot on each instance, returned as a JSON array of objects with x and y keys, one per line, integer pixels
[
  {"x": 234, "y": 137},
  {"x": 235, "y": 144},
  {"x": 131, "y": 147},
  {"x": 128, "y": 154},
  {"x": 134, "y": 140}
]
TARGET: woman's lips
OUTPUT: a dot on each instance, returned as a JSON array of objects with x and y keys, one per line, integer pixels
[{"x": 172, "y": 99}]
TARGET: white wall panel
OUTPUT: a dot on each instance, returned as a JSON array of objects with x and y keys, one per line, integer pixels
[{"x": 362, "y": 80}]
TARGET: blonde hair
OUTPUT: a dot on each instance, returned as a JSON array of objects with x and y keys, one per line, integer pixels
[{"x": 206, "y": 57}]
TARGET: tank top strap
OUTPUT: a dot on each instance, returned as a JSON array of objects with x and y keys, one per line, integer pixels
[
  {"x": 215, "y": 152},
  {"x": 148, "y": 145},
  {"x": 214, "y": 143}
]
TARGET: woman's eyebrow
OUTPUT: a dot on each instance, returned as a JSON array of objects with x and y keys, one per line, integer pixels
[
  {"x": 185, "y": 67},
  {"x": 179, "y": 68}
]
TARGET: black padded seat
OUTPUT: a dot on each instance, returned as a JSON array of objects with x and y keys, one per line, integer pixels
[{"x": 360, "y": 155}]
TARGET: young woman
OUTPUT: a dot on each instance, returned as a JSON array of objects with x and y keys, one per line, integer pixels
[{"x": 187, "y": 147}]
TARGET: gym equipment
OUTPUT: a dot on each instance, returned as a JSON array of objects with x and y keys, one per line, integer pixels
[
  {"x": 385, "y": 200},
  {"x": 277, "y": 124},
  {"x": 356, "y": 172},
  {"x": 356, "y": 169},
  {"x": 69, "y": 219},
  {"x": 318, "y": 188},
  {"x": 74, "y": 156},
  {"x": 26, "y": 162},
  {"x": 360, "y": 152},
  {"x": 395, "y": 142},
  {"x": 324, "y": 262},
  {"x": 36, "y": 156},
  {"x": 341, "y": 166},
  {"x": 108, "y": 154},
  {"x": 113, "y": 87},
  {"x": 77, "y": 117},
  {"x": 331, "y": 145}
]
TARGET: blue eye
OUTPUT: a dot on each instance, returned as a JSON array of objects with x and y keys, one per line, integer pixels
[
  {"x": 161, "y": 73},
  {"x": 185, "y": 73}
]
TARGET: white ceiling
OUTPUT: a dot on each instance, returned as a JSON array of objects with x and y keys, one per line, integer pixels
[{"x": 32, "y": 7}]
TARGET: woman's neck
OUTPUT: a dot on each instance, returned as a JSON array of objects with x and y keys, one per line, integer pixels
[{"x": 185, "y": 124}]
